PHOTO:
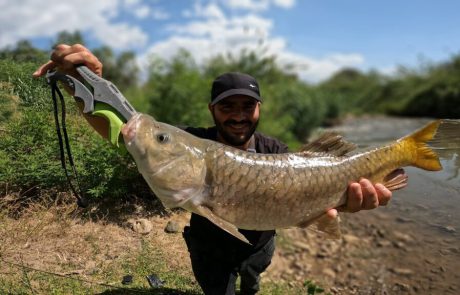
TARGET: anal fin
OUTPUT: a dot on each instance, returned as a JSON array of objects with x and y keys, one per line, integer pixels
[
  {"x": 325, "y": 224},
  {"x": 395, "y": 180},
  {"x": 225, "y": 225}
]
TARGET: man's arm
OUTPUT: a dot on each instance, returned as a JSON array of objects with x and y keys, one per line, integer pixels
[
  {"x": 362, "y": 195},
  {"x": 64, "y": 58}
]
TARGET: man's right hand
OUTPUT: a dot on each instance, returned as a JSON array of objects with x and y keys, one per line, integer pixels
[{"x": 65, "y": 57}]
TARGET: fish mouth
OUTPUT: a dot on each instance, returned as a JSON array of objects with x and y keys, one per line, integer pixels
[{"x": 129, "y": 129}]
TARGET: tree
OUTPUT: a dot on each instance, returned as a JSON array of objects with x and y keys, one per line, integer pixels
[
  {"x": 23, "y": 52},
  {"x": 439, "y": 92},
  {"x": 178, "y": 92},
  {"x": 65, "y": 37},
  {"x": 121, "y": 69},
  {"x": 350, "y": 90}
]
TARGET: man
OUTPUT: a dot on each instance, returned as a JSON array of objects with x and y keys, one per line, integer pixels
[{"x": 217, "y": 257}]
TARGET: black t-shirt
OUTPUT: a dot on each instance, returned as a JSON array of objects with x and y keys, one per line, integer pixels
[{"x": 203, "y": 228}]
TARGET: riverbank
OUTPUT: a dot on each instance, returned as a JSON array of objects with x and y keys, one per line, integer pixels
[
  {"x": 382, "y": 252},
  {"x": 412, "y": 246},
  {"x": 53, "y": 247}
]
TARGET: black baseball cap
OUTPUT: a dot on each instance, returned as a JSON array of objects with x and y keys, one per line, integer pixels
[{"x": 234, "y": 83}]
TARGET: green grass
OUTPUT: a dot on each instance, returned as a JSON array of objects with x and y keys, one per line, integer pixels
[
  {"x": 282, "y": 288},
  {"x": 150, "y": 260}
]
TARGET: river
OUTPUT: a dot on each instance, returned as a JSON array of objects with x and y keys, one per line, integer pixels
[{"x": 432, "y": 199}]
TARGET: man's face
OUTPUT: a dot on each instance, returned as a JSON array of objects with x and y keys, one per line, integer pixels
[{"x": 236, "y": 118}]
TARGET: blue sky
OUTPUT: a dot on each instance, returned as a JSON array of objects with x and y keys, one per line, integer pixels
[{"x": 319, "y": 37}]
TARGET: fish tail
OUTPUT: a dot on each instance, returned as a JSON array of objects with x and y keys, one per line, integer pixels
[{"x": 422, "y": 155}]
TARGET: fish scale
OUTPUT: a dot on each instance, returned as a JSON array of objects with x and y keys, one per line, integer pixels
[{"x": 236, "y": 189}]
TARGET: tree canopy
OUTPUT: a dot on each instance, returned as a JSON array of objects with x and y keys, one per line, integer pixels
[{"x": 177, "y": 91}]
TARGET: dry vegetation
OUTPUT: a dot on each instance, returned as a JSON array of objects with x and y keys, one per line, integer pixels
[
  {"x": 379, "y": 253},
  {"x": 95, "y": 245}
]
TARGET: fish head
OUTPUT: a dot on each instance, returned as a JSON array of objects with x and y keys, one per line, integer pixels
[
  {"x": 170, "y": 159},
  {"x": 146, "y": 137}
]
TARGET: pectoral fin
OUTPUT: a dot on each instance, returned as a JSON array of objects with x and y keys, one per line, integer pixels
[
  {"x": 225, "y": 225},
  {"x": 325, "y": 224}
]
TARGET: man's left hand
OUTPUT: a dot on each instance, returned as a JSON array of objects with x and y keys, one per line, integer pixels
[{"x": 364, "y": 195}]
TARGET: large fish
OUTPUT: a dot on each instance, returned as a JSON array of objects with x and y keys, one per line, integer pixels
[{"x": 237, "y": 189}]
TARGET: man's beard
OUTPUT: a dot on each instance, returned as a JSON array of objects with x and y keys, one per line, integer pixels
[{"x": 233, "y": 139}]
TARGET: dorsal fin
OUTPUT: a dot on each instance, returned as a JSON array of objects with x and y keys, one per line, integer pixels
[{"x": 328, "y": 144}]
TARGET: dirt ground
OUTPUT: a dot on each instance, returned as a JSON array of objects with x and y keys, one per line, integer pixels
[{"x": 379, "y": 253}]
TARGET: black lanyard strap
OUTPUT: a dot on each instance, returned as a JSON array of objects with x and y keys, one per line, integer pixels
[{"x": 81, "y": 202}]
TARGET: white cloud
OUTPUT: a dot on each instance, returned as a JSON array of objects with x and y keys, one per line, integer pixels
[
  {"x": 254, "y": 5},
  {"x": 284, "y": 3},
  {"x": 142, "y": 11},
  {"x": 258, "y": 5},
  {"x": 318, "y": 69},
  {"x": 210, "y": 29},
  {"x": 130, "y": 3},
  {"x": 389, "y": 70},
  {"x": 159, "y": 14},
  {"x": 215, "y": 35},
  {"x": 249, "y": 27},
  {"x": 210, "y": 32},
  {"x": 30, "y": 19},
  {"x": 211, "y": 10},
  {"x": 136, "y": 8}
]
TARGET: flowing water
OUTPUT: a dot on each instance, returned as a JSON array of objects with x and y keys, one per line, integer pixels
[
  {"x": 411, "y": 246},
  {"x": 432, "y": 199}
]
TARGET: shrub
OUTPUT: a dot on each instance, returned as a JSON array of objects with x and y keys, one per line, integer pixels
[
  {"x": 29, "y": 149},
  {"x": 30, "y": 157}
]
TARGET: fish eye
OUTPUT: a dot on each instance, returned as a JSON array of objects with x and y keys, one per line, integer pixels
[{"x": 163, "y": 138}]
